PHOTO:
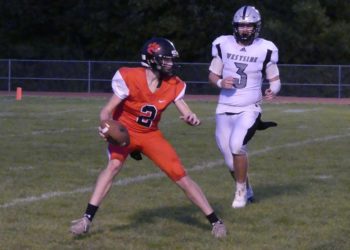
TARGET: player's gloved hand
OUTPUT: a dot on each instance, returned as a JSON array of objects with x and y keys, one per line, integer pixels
[{"x": 191, "y": 119}]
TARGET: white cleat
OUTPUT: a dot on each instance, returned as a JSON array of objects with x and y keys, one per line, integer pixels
[{"x": 240, "y": 199}]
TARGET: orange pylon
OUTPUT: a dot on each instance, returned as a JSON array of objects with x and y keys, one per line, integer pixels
[{"x": 19, "y": 94}]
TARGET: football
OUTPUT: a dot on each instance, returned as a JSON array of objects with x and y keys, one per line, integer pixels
[{"x": 115, "y": 132}]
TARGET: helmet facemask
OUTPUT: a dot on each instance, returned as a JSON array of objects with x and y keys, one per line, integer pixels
[
  {"x": 245, "y": 33},
  {"x": 164, "y": 64}
]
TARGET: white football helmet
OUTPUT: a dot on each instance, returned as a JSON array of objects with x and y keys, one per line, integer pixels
[{"x": 246, "y": 15}]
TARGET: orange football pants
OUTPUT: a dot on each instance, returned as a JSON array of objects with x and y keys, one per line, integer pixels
[{"x": 156, "y": 148}]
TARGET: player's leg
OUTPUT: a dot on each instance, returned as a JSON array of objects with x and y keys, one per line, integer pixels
[
  {"x": 241, "y": 169},
  {"x": 196, "y": 195},
  {"x": 103, "y": 185},
  {"x": 243, "y": 131},
  {"x": 159, "y": 150},
  {"x": 104, "y": 181},
  {"x": 225, "y": 124},
  {"x": 223, "y": 131}
]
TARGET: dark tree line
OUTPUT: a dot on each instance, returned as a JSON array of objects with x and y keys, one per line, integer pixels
[{"x": 305, "y": 31}]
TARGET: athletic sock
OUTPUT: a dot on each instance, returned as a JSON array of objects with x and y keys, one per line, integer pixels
[
  {"x": 241, "y": 186},
  {"x": 212, "y": 218},
  {"x": 90, "y": 211}
]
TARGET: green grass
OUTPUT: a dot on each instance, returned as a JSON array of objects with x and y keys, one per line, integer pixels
[{"x": 51, "y": 154}]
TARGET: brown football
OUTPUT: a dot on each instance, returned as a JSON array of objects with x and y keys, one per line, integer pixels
[{"x": 115, "y": 132}]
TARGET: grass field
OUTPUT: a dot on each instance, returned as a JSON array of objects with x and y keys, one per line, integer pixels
[{"x": 51, "y": 154}]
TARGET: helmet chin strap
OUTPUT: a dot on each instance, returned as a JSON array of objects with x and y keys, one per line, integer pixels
[
  {"x": 160, "y": 80},
  {"x": 160, "y": 76}
]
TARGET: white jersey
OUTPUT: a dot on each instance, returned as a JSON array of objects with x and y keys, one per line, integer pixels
[{"x": 246, "y": 63}]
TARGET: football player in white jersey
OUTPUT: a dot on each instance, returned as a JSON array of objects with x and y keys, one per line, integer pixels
[{"x": 240, "y": 63}]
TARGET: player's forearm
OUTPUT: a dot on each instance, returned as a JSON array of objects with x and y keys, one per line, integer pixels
[
  {"x": 214, "y": 79},
  {"x": 105, "y": 115},
  {"x": 275, "y": 85},
  {"x": 186, "y": 113},
  {"x": 107, "y": 111},
  {"x": 183, "y": 108}
]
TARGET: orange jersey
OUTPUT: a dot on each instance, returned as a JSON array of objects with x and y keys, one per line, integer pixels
[{"x": 141, "y": 110}]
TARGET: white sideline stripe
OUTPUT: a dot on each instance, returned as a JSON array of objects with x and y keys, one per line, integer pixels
[
  {"x": 300, "y": 143},
  {"x": 21, "y": 168},
  {"x": 142, "y": 178},
  {"x": 300, "y": 110}
]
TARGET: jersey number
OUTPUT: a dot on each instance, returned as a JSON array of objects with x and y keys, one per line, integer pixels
[
  {"x": 150, "y": 113},
  {"x": 243, "y": 76}
]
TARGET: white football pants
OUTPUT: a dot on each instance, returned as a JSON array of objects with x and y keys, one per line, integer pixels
[{"x": 233, "y": 131}]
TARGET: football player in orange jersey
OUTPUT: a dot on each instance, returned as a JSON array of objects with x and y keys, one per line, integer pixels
[{"x": 140, "y": 96}]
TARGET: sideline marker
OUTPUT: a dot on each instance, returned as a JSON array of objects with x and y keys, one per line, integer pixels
[{"x": 19, "y": 93}]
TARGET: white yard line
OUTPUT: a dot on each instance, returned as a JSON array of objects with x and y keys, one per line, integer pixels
[
  {"x": 142, "y": 178},
  {"x": 300, "y": 110}
]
